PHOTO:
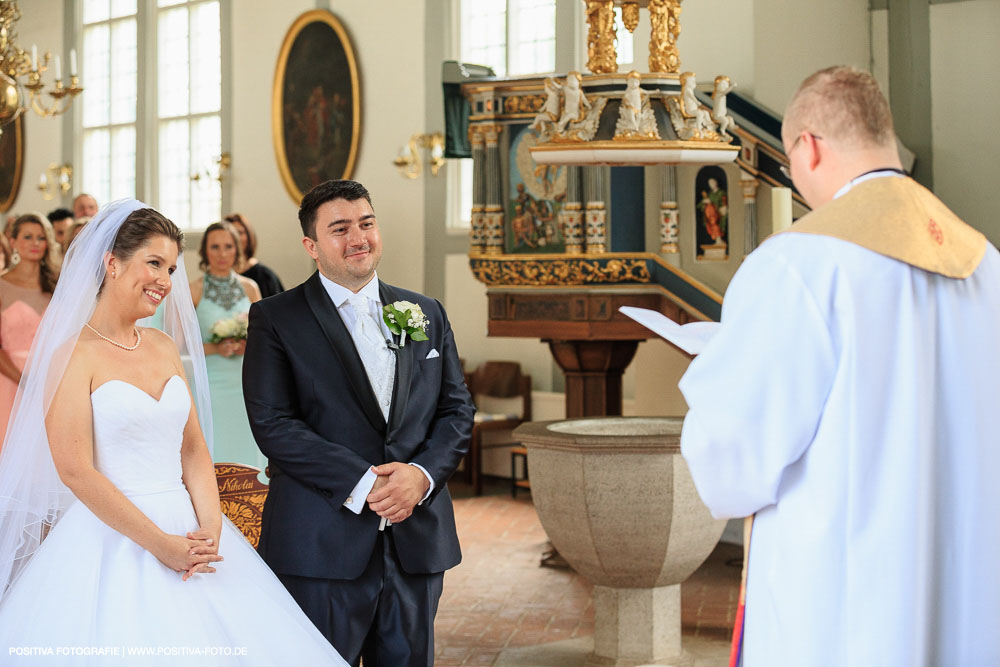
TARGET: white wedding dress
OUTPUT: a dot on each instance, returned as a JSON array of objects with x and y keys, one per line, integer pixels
[{"x": 91, "y": 596}]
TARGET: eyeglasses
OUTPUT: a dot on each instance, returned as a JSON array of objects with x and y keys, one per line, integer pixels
[{"x": 786, "y": 171}]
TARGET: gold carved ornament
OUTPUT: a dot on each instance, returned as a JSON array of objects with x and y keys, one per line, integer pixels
[
  {"x": 665, "y": 27},
  {"x": 523, "y": 104},
  {"x": 246, "y": 515},
  {"x": 601, "y": 55},
  {"x": 546, "y": 273},
  {"x": 630, "y": 15},
  {"x": 241, "y": 497}
]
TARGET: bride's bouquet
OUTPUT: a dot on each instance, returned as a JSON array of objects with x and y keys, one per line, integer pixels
[{"x": 230, "y": 327}]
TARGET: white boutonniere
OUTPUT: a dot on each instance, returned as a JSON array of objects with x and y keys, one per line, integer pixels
[{"x": 405, "y": 319}]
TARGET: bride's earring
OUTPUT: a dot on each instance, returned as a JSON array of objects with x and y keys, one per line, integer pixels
[{"x": 15, "y": 257}]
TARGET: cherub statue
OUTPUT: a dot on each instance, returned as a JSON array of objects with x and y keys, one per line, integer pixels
[
  {"x": 690, "y": 107},
  {"x": 546, "y": 118},
  {"x": 690, "y": 121},
  {"x": 635, "y": 115},
  {"x": 631, "y": 105},
  {"x": 574, "y": 102},
  {"x": 719, "y": 112}
]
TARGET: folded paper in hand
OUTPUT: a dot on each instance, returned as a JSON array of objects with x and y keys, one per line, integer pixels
[{"x": 691, "y": 337}]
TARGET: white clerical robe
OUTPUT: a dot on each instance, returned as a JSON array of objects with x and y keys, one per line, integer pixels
[{"x": 851, "y": 401}]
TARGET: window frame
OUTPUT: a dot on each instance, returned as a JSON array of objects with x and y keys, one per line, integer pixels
[
  {"x": 78, "y": 129},
  {"x": 147, "y": 120}
]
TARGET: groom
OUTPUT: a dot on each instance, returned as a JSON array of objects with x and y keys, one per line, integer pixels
[{"x": 361, "y": 437}]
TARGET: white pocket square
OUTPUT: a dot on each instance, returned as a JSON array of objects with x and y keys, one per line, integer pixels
[{"x": 433, "y": 354}]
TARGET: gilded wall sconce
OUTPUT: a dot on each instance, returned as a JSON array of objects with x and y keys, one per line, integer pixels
[
  {"x": 409, "y": 162},
  {"x": 57, "y": 179}
]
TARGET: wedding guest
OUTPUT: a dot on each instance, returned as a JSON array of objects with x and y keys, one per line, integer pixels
[
  {"x": 8, "y": 229},
  {"x": 25, "y": 291},
  {"x": 6, "y": 253},
  {"x": 62, "y": 222},
  {"x": 74, "y": 230},
  {"x": 84, "y": 206},
  {"x": 221, "y": 296},
  {"x": 266, "y": 279}
]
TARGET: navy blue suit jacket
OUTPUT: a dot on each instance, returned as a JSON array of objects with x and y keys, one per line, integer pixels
[{"x": 314, "y": 415}]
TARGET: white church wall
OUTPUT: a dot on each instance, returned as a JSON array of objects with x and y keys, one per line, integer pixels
[
  {"x": 794, "y": 39},
  {"x": 41, "y": 24},
  {"x": 965, "y": 94},
  {"x": 717, "y": 37},
  {"x": 880, "y": 48},
  {"x": 258, "y": 30},
  {"x": 388, "y": 44}
]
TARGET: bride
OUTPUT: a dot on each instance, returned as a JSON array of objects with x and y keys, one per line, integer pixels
[{"x": 113, "y": 548}]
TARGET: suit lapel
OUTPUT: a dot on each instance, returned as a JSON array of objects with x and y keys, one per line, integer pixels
[
  {"x": 343, "y": 346},
  {"x": 404, "y": 368}
]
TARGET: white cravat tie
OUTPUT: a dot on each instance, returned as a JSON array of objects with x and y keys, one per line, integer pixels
[{"x": 379, "y": 361}]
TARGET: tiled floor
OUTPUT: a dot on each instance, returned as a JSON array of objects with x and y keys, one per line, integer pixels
[{"x": 500, "y": 598}]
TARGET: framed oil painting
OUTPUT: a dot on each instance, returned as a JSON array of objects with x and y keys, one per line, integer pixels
[
  {"x": 11, "y": 162},
  {"x": 315, "y": 104}
]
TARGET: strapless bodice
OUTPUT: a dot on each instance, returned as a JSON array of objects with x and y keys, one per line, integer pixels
[{"x": 137, "y": 438}]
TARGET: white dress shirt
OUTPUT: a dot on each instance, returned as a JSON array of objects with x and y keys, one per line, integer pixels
[{"x": 340, "y": 296}]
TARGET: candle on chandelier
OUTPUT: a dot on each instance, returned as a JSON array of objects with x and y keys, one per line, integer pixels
[
  {"x": 72, "y": 62},
  {"x": 58, "y": 69},
  {"x": 34, "y": 57}
]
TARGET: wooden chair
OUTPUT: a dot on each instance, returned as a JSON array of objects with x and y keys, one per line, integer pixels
[
  {"x": 242, "y": 496},
  {"x": 494, "y": 380}
]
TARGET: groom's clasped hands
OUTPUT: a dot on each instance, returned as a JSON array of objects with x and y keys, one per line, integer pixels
[{"x": 397, "y": 490}]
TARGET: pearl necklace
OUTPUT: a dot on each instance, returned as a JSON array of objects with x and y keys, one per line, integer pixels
[{"x": 138, "y": 338}]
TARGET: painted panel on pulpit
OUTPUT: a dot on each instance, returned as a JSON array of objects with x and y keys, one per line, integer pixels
[
  {"x": 316, "y": 104},
  {"x": 537, "y": 193},
  {"x": 712, "y": 217}
]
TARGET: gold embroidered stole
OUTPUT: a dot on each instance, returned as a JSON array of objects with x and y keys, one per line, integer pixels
[{"x": 903, "y": 220}]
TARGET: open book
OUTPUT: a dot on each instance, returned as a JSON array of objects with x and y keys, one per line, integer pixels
[{"x": 690, "y": 338}]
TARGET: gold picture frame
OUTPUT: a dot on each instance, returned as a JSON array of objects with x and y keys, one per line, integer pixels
[
  {"x": 11, "y": 162},
  {"x": 316, "y": 97}
]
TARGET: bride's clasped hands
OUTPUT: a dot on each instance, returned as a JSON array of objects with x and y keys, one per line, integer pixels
[{"x": 191, "y": 554}]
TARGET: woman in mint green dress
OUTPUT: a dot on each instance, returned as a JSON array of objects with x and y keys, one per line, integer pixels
[{"x": 220, "y": 296}]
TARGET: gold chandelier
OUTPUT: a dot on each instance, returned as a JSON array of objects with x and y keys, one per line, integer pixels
[{"x": 20, "y": 72}]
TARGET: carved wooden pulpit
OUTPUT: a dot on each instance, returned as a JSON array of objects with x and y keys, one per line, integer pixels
[{"x": 608, "y": 189}]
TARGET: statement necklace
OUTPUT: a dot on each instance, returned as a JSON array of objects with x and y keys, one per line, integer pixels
[
  {"x": 127, "y": 348},
  {"x": 225, "y": 292}
]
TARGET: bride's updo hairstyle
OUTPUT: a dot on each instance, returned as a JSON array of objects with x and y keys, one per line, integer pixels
[{"x": 139, "y": 228}]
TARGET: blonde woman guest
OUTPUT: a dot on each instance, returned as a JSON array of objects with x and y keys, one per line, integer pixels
[
  {"x": 25, "y": 291},
  {"x": 219, "y": 295},
  {"x": 266, "y": 279}
]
